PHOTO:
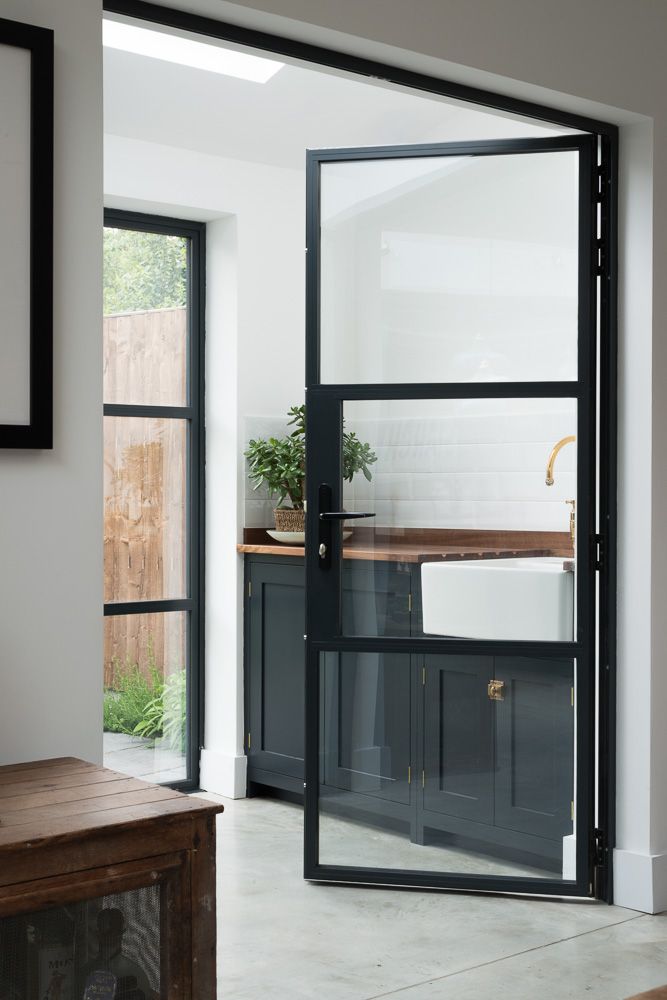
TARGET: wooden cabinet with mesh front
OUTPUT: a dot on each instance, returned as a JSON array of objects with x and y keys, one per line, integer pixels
[{"x": 107, "y": 886}]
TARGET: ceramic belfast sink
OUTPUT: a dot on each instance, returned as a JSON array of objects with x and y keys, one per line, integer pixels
[{"x": 531, "y": 598}]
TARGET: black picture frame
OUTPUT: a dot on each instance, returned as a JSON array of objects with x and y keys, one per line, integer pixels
[{"x": 36, "y": 431}]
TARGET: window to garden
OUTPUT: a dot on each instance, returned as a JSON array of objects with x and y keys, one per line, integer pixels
[{"x": 152, "y": 336}]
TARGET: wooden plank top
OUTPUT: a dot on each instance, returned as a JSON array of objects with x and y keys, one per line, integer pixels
[
  {"x": 415, "y": 545},
  {"x": 400, "y": 553},
  {"x": 68, "y": 798}
]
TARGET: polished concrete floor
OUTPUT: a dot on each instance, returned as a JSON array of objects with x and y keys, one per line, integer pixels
[{"x": 284, "y": 939}]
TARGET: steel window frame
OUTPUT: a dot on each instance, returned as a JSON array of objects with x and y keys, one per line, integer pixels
[
  {"x": 193, "y": 413},
  {"x": 607, "y": 134}
]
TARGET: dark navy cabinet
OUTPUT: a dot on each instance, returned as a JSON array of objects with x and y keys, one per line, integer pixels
[{"x": 419, "y": 743}]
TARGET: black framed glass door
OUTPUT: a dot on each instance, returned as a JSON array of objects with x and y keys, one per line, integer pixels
[{"x": 450, "y": 548}]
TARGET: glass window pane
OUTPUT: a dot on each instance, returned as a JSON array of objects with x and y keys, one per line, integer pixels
[
  {"x": 145, "y": 318},
  {"x": 145, "y": 695},
  {"x": 459, "y": 488},
  {"x": 145, "y": 479},
  {"x": 449, "y": 269},
  {"x": 493, "y": 793}
]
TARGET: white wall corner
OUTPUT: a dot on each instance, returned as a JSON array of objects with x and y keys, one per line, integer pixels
[
  {"x": 640, "y": 881},
  {"x": 223, "y": 774}
]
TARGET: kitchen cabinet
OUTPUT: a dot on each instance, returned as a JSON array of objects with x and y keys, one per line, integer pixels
[{"x": 418, "y": 743}]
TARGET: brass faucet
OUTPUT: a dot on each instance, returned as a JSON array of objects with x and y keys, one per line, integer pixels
[
  {"x": 550, "y": 478},
  {"x": 552, "y": 457}
]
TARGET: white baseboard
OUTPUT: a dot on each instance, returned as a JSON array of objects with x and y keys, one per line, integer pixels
[
  {"x": 640, "y": 881},
  {"x": 223, "y": 774}
]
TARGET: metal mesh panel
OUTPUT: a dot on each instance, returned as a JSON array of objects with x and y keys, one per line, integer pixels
[{"x": 108, "y": 947}]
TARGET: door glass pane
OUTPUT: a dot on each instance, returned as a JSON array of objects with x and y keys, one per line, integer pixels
[
  {"x": 467, "y": 539},
  {"x": 487, "y": 789},
  {"x": 145, "y": 324},
  {"x": 145, "y": 486},
  {"x": 449, "y": 269},
  {"x": 145, "y": 695}
]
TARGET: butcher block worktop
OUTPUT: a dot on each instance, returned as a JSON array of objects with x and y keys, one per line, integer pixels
[{"x": 419, "y": 545}]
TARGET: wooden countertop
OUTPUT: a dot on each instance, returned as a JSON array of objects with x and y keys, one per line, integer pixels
[
  {"x": 419, "y": 546},
  {"x": 66, "y": 798}
]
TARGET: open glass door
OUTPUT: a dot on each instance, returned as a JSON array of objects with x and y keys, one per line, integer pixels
[{"x": 451, "y": 470}]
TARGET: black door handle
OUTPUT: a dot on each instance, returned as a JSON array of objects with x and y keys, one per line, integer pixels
[{"x": 342, "y": 515}]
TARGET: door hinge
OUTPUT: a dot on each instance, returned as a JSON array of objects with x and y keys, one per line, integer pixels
[
  {"x": 599, "y": 552},
  {"x": 572, "y": 810},
  {"x": 599, "y": 848},
  {"x": 601, "y": 183},
  {"x": 423, "y": 676},
  {"x": 249, "y": 588},
  {"x": 600, "y": 257},
  {"x": 572, "y": 697},
  {"x": 423, "y": 779},
  {"x": 409, "y": 775},
  {"x": 600, "y": 852},
  {"x": 410, "y": 603},
  {"x": 248, "y": 741}
]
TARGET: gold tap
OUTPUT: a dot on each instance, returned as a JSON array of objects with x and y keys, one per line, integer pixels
[
  {"x": 550, "y": 478},
  {"x": 552, "y": 457},
  {"x": 573, "y": 518}
]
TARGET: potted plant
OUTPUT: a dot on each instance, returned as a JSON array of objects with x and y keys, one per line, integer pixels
[{"x": 280, "y": 465}]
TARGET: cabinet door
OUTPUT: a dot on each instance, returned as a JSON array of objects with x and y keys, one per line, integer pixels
[
  {"x": 376, "y": 597},
  {"x": 367, "y": 697},
  {"x": 365, "y": 729},
  {"x": 534, "y": 785},
  {"x": 275, "y": 667},
  {"x": 458, "y": 737}
]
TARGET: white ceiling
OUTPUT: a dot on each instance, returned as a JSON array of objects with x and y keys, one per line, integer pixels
[{"x": 275, "y": 122}]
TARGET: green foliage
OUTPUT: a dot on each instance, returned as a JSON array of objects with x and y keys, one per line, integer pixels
[
  {"x": 143, "y": 271},
  {"x": 165, "y": 714},
  {"x": 280, "y": 463},
  {"x": 125, "y": 706},
  {"x": 150, "y": 707}
]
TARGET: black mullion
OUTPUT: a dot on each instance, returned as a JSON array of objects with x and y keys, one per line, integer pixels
[
  {"x": 483, "y": 147},
  {"x": 450, "y": 390},
  {"x": 517, "y": 885},
  {"x": 443, "y": 646},
  {"x": 148, "y": 410},
  {"x": 607, "y": 519},
  {"x": 118, "y": 218},
  {"x": 159, "y": 606}
]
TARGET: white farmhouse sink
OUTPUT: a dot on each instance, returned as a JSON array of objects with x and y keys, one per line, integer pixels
[{"x": 530, "y": 598}]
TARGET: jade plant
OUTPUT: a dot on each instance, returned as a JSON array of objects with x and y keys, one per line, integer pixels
[{"x": 280, "y": 463}]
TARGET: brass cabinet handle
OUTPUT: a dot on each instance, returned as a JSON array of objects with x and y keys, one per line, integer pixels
[{"x": 495, "y": 690}]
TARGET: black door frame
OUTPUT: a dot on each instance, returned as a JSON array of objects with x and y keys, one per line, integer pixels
[
  {"x": 193, "y": 413},
  {"x": 323, "y": 461},
  {"x": 607, "y": 269}
]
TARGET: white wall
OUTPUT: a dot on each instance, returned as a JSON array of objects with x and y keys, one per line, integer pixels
[
  {"x": 51, "y": 502},
  {"x": 602, "y": 58},
  {"x": 254, "y": 366}
]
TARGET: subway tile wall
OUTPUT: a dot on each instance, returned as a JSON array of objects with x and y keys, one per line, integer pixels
[{"x": 477, "y": 464}]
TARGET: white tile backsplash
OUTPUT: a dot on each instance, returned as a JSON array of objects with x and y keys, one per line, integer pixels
[{"x": 484, "y": 468}]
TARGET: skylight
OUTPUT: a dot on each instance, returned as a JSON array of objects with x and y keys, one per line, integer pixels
[{"x": 186, "y": 52}]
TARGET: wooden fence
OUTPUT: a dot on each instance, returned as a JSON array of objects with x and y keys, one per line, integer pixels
[{"x": 145, "y": 467}]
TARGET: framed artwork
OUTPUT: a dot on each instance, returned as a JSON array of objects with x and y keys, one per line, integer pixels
[{"x": 26, "y": 236}]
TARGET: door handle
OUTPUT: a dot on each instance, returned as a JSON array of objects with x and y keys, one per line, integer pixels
[
  {"x": 342, "y": 515},
  {"x": 326, "y": 518}
]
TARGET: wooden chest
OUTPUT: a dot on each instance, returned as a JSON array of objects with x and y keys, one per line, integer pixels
[{"x": 77, "y": 839}]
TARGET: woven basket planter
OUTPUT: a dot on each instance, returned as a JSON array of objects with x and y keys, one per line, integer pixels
[{"x": 288, "y": 519}]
